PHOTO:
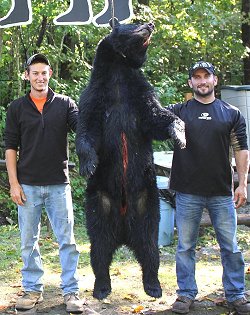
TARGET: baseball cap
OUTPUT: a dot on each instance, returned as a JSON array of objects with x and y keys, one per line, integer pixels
[
  {"x": 201, "y": 65},
  {"x": 36, "y": 58}
]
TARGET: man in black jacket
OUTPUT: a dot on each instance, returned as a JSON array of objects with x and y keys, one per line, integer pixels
[
  {"x": 202, "y": 178},
  {"x": 37, "y": 162}
]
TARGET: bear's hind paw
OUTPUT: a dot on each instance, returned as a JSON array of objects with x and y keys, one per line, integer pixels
[
  {"x": 153, "y": 290},
  {"x": 101, "y": 292}
]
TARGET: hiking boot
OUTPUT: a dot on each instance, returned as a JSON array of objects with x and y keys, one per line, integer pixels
[
  {"x": 28, "y": 300},
  {"x": 73, "y": 303},
  {"x": 241, "y": 306},
  {"x": 182, "y": 305}
]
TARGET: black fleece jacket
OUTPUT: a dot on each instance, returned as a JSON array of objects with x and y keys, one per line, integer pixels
[{"x": 41, "y": 139}]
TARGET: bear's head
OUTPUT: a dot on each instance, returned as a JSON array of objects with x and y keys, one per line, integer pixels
[{"x": 131, "y": 41}]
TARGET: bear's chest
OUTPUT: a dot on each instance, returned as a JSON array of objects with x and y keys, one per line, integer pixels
[
  {"x": 118, "y": 118},
  {"x": 121, "y": 104}
]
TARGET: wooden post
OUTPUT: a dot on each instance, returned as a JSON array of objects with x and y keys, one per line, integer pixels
[{"x": 188, "y": 96}]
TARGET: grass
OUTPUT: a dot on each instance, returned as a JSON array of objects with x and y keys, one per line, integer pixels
[
  {"x": 207, "y": 249},
  {"x": 127, "y": 289}
]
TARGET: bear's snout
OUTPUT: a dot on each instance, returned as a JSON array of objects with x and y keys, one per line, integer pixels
[{"x": 151, "y": 26}]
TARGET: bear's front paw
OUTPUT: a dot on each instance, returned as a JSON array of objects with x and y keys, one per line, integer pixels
[
  {"x": 177, "y": 132},
  {"x": 88, "y": 159},
  {"x": 87, "y": 168}
]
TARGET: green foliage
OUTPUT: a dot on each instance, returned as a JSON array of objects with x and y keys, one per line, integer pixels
[
  {"x": 8, "y": 209},
  {"x": 188, "y": 32},
  {"x": 10, "y": 262},
  {"x": 10, "y": 252},
  {"x": 185, "y": 31}
]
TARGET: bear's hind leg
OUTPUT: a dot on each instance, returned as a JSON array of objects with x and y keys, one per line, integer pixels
[
  {"x": 103, "y": 246},
  {"x": 101, "y": 257},
  {"x": 146, "y": 250}
]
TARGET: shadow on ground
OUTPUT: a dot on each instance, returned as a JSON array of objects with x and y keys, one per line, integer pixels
[{"x": 204, "y": 306}]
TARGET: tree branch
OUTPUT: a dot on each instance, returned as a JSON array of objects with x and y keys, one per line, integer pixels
[{"x": 42, "y": 32}]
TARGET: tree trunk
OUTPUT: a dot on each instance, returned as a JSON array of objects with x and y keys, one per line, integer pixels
[
  {"x": 246, "y": 38},
  {"x": 42, "y": 32},
  {"x": 68, "y": 44},
  {"x": 145, "y": 2}
]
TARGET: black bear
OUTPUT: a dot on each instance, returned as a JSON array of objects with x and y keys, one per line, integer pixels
[{"x": 119, "y": 116}]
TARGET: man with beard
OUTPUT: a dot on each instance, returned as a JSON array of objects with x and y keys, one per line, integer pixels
[{"x": 202, "y": 178}]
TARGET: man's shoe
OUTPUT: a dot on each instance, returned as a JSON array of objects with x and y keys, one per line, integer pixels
[
  {"x": 73, "y": 303},
  {"x": 28, "y": 300},
  {"x": 241, "y": 306},
  {"x": 182, "y": 305}
]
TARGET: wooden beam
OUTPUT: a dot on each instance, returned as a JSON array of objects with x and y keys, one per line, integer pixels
[
  {"x": 242, "y": 219},
  {"x": 3, "y": 165}
]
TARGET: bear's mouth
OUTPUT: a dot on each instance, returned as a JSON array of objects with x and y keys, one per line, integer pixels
[
  {"x": 146, "y": 31},
  {"x": 146, "y": 41}
]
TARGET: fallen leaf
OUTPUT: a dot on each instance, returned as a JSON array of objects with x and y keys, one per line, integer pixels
[
  {"x": 129, "y": 297},
  {"x": 116, "y": 272},
  {"x": 15, "y": 285},
  {"x": 138, "y": 309},
  {"x": 152, "y": 299},
  {"x": 205, "y": 298}
]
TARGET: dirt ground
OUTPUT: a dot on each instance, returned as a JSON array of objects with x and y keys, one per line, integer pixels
[{"x": 128, "y": 296}]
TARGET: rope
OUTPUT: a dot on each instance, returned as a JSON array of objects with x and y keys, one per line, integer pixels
[{"x": 113, "y": 13}]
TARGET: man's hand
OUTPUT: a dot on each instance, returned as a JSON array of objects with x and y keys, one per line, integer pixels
[
  {"x": 240, "y": 196},
  {"x": 17, "y": 194},
  {"x": 242, "y": 167}
]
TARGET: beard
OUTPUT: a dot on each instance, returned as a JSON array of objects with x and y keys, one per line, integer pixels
[{"x": 199, "y": 92}]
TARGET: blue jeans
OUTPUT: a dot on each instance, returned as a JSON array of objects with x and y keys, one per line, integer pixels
[
  {"x": 221, "y": 209},
  {"x": 57, "y": 201}
]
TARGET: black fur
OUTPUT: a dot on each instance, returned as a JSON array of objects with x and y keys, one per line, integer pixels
[{"x": 119, "y": 100}]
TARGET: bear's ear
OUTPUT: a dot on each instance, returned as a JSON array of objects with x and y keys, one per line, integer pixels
[{"x": 114, "y": 22}]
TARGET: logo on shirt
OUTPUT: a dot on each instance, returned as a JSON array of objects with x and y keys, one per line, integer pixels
[{"x": 205, "y": 116}]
